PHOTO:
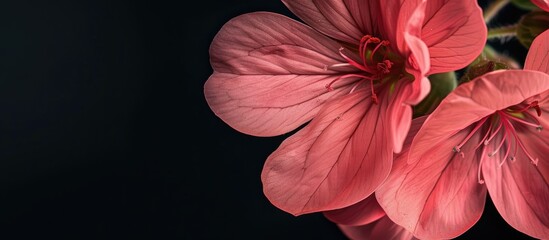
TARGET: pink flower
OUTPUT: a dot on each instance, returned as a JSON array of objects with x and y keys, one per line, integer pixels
[
  {"x": 543, "y": 4},
  {"x": 485, "y": 136},
  {"x": 351, "y": 74}
]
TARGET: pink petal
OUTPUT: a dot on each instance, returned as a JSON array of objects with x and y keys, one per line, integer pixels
[
  {"x": 438, "y": 196},
  {"x": 265, "y": 43},
  {"x": 472, "y": 101},
  {"x": 400, "y": 116},
  {"x": 418, "y": 63},
  {"x": 367, "y": 210},
  {"x": 361, "y": 213},
  {"x": 381, "y": 229},
  {"x": 357, "y": 232},
  {"x": 417, "y": 195},
  {"x": 519, "y": 189},
  {"x": 418, "y": 60},
  {"x": 538, "y": 55},
  {"x": 400, "y": 17},
  {"x": 267, "y": 105},
  {"x": 329, "y": 17},
  {"x": 338, "y": 159},
  {"x": 270, "y": 73},
  {"x": 387, "y": 229},
  {"x": 543, "y": 4},
  {"x": 455, "y": 32},
  {"x": 367, "y": 15}
]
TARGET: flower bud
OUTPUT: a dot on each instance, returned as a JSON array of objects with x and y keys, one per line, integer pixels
[
  {"x": 480, "y": 68},
  {"x": 531, "y": 25},
  {"x": 441, "y": 85},
  {"x": 524, "y": 4}
]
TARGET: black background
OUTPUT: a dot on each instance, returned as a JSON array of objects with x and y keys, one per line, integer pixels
[{"x": 105, "y": 133}]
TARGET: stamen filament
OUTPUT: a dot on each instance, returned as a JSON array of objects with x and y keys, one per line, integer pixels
[
  {"x": 494, "y": 133},
  {"x": 485, "y": 136},
  {"x": 506, "y": 155},
  {"x": 383, "y": 43},
  {"x": 480, "y": 181},
  {"x": 477, "y": 127},
  {"x": 522, "y": 147},
  {"x": 363, "y": 47},
  {"x": 371, "y": 68},
  {"x": 329, "y": 85},
  {"x": 374, "y": 96},
  {"x": 534, "y": 104},
  {"x": 537, "y": 125},
  {"x": 503, "y": 140},
  {"x": 354, "y": 63}
]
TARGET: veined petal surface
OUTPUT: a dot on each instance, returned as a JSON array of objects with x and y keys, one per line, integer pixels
[
  {"x": 270, "y": 73},
  {"x": 337, "y": 160}
]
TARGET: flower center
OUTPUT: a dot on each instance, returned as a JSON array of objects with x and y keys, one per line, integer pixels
[
  {"x": 374, "y": 63},
  {"x": 504, "y": 123}
]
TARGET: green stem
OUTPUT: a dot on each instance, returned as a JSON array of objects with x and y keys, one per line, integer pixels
[
  {"x": 502, "y": 32},
  {"x": 492, "y": 10}
]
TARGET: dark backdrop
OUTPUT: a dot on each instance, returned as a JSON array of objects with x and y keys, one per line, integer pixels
[{"x": 104, "y": 131}]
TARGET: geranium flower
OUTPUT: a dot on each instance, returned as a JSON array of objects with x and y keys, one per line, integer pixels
[
  {"x": 486, "y": 136},
  {"x": 352, "y": 74}
]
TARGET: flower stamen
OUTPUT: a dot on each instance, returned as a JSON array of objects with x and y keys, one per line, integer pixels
[
  {"x": 329, "y": 85},
  {"x": 374, "y": 66},
  {"x": 477, "y": 127}
]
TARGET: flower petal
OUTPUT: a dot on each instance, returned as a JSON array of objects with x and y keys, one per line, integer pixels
[
  {"x": 272, "y": 44},
  {"x": 329, "y": 17},
  {"x": 267, "y": 105},
  {"x": 337, "y": 160},
  {"x": 381, "y": 229},
  {"x": 366, "y": 15},
  {"x": 368, "y": 210},
  {"x": 538, "y": 55},
  {"x": 455, "y": 32},
  {"x": 438, "y": 196},
  {"x": 418, "y": 63},
  {"x": 399, "y": 18},
  {"x": 357, "y": 232},
  {"x": 361, "y": 213},
  {"x": 400, "y": 115},
  {"x": 519, "y": 189},
  {"x": 387, "y": 229},
  {"x": 270, "y": 73},
  {"x": 543, "y": 4},
  {"x": 474, "y": 100}
]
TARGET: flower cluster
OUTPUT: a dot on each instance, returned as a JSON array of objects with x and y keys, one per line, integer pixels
[{"x": 406, "y": 118}]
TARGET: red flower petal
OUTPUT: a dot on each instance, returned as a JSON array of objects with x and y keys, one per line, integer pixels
[
  {"x": 538, "y": 54},
  {"x": 381, "y": 229},
  {"x": 270, "y": 73},
  {"x": 543, "y": 4},
  {"x": 455, "y": 32},
  {"x": 337, "y": 160},
  {"x": 438, "y": 196},
  {"x": 519, "y": 189},
  {"x": 329, "y": 17},
  {"x": 361, "y": 213}
]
